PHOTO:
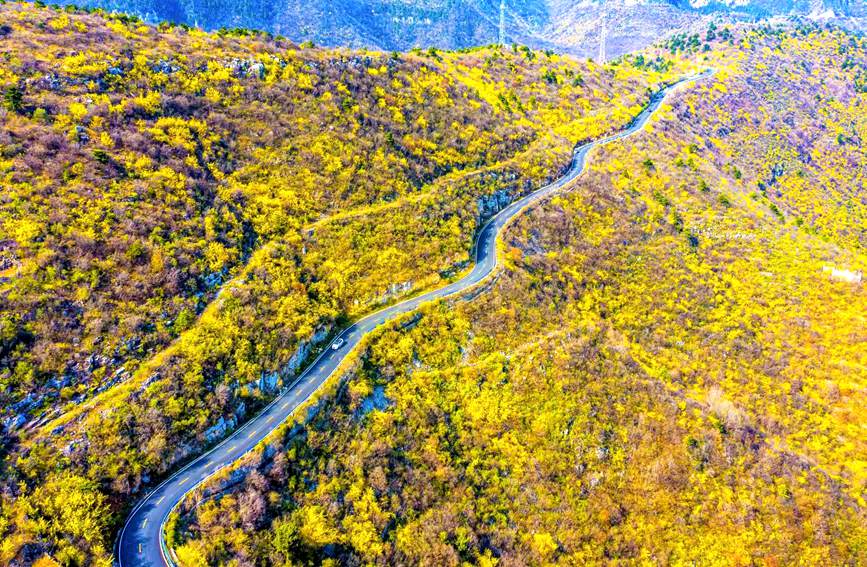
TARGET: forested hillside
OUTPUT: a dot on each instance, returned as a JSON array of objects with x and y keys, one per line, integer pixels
[
  {"x": 187, "y": 216},
  {"x": 668, "y": 371}
]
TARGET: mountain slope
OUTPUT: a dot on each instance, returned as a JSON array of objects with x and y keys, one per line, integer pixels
[
  {"x": 669, "y": 368},
  {"x": 666, "y": 371},
  {"x": 187, "y": 217},
  {"x": 564, "y": 25}
]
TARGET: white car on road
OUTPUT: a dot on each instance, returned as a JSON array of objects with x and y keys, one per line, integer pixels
[{"x": 337, "y": 344}]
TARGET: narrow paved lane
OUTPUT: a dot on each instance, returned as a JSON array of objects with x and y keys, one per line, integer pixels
[{"x": 141, "y": 542}]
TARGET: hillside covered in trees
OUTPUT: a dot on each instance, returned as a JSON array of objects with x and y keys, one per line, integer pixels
[
  {"x": 670, "y": 369},
  {"x": 187, "y": 216}
]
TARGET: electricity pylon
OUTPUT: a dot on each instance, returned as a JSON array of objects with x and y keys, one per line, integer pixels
[
  {"x": 503, "y": 23},
  {"x": 603, "y": 33}
]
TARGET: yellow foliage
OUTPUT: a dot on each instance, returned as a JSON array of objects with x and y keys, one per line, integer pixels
[{"x": 86, "y": 63}]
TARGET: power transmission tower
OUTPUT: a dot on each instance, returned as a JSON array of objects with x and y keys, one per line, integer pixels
[
  {"x": 503, "y": 23},
  {"x": 603, "y": 33}
]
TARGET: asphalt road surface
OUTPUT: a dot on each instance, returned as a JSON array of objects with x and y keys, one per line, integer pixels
[{"x": 141, "y": 540}]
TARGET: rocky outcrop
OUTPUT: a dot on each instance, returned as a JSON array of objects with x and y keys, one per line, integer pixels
[
  {"x": 244, "y": 68},
  {"x": 489, "y": 205},
  {"x": 119, "y": 376},
  {"x": 14, "y": 422},
  {"x": 375, "y": 401},
  {"x": 840, "y": 275},
  {"x": 219, "y": 429},
  {"x": 303, "y": 351},
  {"x": 267, "y": 384}
]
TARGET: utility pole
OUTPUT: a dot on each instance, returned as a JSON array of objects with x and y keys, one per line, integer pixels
[{"x": 503, "y": 23}]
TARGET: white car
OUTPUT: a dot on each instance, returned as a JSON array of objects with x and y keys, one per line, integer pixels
[{"x": 337, "y": 344}]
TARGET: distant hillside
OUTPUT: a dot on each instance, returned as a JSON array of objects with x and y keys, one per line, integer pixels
[{"x": 566, "y": 25}]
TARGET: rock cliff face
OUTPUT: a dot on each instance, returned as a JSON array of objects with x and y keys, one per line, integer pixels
[{"x": 565, "y": 25}]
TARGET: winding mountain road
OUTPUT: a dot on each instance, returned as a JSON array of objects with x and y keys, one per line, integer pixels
[{"x": 141, "y": 541}]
